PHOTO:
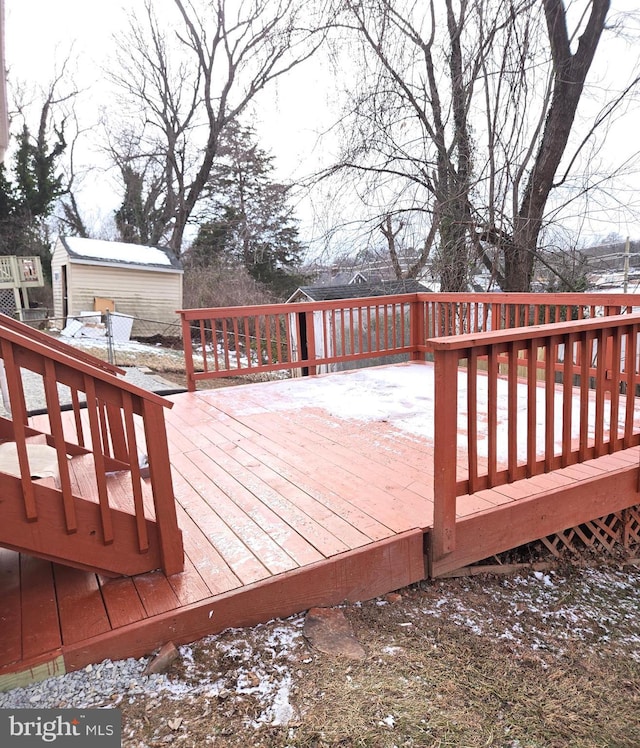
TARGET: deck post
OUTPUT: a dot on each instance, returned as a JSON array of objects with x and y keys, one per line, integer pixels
[
  {"x": 307, "y": 324},
  {"x": 417, "y": 330},
  {"x": 188, "y": 354},
  {"x": 445, "y": 452}
]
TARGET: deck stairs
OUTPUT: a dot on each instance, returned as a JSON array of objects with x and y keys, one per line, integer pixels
[{"x": 78, "y": 496}]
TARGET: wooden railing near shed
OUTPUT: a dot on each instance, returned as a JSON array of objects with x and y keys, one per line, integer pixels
[
  {"x": 233, "y": 341},
  {"x": 99, "y": 515}
]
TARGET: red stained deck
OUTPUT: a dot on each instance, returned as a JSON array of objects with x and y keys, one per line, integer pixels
[{"x": 283, "y": 506}]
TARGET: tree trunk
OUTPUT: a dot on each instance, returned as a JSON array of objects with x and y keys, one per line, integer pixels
[{"x": 570, "y": 72}]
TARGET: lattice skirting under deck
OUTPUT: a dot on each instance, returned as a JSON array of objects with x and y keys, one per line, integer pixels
[
  {"x": 615, "y": 536},
  {"x": 612, "y": 535}
]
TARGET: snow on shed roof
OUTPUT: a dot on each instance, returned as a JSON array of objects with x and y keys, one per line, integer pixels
[{"x": 120, "y": 253}]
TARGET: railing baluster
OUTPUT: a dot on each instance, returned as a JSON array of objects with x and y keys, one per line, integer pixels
[
  {"x": 203, "y": 345},
  {"x": 601, "y": 373},
  {"x": 213, "y": 333},
  {"x": 104, "y": 429},
  {"x": 614, "y": 389},
  {"x": 136, "y": 480},
  {"x": 77, "y": 417},
  {"x": 550, "y": 351},
  {"x": 631, "y": 379},
  {"x": 93, "y": 407},
  {"x": 567, "y": 399},
  {"x": 55, "y": 424},
  {"x": 247, "y": 343},
  {"x": 492, "y": 414},
  {"x": 19, "y": 418},
  {"x": 512, "y": 410},
  {"x": 532, "y": 378},
  {"x": 585, "y": 365},
  {"x": 472, "y": 419}
]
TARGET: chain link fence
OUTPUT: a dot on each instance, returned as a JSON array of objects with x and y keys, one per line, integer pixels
[{"x": 122, "y": 339}]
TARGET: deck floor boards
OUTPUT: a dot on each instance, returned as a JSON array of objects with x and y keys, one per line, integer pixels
[{"x": 281, "y": 506}]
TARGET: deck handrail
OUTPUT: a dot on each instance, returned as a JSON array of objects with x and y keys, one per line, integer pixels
[
  {"x": 305, "y": 336},
  {"x": 596, "y": 360},
  {"x": 114, "y": 423}
]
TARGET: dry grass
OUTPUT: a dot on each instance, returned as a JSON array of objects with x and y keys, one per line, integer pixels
[{"x": 442, "y": 670}]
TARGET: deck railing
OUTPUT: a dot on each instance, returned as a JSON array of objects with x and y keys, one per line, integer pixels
[
  {"x": 308, "y": 337},
  {"x": 302, "y": 337},
  {"x": 114, "y": 424},
  {"x": 20, "y": 272},
  {"x": 512, "y": 404}
]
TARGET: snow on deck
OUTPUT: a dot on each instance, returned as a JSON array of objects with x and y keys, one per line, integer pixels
[{"x": 403, "y": 396}]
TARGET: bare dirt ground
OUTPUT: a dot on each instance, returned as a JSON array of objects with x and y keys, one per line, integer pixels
[{"x": 532, "y": 660}]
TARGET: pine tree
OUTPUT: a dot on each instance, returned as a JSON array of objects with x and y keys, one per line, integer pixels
[
  {"x": 28, "y": 195},
  {"x": 247, "y": 220}
]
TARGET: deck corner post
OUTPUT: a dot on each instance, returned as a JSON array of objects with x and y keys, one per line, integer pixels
[
  {"x": 188, "y": 353},
  {"x": 445, "y": 453}
]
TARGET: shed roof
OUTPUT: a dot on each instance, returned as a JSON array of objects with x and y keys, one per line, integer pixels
[
  {"x": 358, "y": 290},
  {"x": 120, "y": 253}
]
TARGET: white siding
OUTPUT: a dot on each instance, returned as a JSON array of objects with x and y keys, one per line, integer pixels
[{"x": 144, "y": 294}]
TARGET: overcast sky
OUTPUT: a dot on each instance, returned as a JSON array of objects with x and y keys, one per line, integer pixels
[{"x": 41, "y": 33}]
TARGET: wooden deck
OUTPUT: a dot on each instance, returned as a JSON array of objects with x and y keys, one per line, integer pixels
[{"x": 285, "y": 502}]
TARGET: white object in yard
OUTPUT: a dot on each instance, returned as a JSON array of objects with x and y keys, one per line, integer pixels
[
  {"x": 43, "y": 460},
  {"x": 93, "y": 330},
  {"x": 72, "y": 328},
  {"x": 121, "y": 325}
]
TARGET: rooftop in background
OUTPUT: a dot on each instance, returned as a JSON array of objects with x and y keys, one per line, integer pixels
[
  {"x": 357, "y": 290},
  {"x": 98, "y": 250}
]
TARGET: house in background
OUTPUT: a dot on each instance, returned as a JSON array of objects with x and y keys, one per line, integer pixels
[
  {"x": 345, "y": 327},
  {"x": 91, "y": 275},
  {"x": 358, "y": 288}
]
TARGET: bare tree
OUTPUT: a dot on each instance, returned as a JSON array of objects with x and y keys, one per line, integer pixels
[
  {"x": 409, "y": 131},
  {"x": 534, "y": 179},
  {"x": 183, "y": 87},
  {"x": 465, "y": 113}
]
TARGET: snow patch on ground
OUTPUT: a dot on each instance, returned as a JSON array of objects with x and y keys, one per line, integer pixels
[
  {"x": 536, "y": 614},
  {"x": 543, "y": 612}
]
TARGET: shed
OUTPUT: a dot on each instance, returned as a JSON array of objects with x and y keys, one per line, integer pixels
[{"x": 94, "y": 275}]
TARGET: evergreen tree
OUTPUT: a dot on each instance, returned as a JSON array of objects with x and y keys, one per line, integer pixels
[
  {"x": 247, "y": 220},
  {"x": 28, "y": 195}
]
